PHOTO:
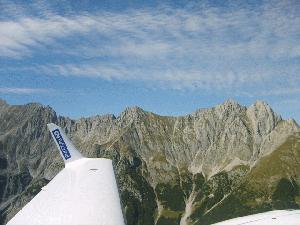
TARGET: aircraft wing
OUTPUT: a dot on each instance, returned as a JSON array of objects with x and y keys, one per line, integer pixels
[
  {"x": 84, "y": 192},
  {"x": 276, "y": 217}
]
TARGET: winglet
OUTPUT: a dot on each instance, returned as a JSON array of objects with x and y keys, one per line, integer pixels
[{"x": 67, "y": 150}]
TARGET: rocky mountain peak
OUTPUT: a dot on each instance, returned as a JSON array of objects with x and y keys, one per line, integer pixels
[
  {"x": 261, "y": 105},
  {"x": 230, "y": 105},
  {"x": 262, "y": 117},
  {"x": 262, "y": 108},
  {"x": 226, "y": 109},
  {"x": 231, "y": 102},
  {"x": 132, "y": 113}
]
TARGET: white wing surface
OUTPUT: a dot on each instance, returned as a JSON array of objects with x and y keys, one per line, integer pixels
[
  {"x": 276, "y": 217},
  {"x": 85, "y": 192}
]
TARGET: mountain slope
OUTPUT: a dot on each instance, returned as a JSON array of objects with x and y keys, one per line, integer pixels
[{"x": 196, "y": 169}]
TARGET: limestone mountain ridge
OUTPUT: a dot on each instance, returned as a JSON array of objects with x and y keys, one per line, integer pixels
[{"x": 200, "y": 168}]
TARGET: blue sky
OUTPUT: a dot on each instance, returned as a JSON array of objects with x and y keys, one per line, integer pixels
[{"x": 170, "y": 57}]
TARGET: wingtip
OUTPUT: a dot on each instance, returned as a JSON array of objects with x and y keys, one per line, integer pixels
[
  {"x": 52, "y": 126},
  {"x": 67, "y": 150}
]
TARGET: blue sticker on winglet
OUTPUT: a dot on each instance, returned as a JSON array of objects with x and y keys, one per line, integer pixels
[{"x": 62, "y": 145}]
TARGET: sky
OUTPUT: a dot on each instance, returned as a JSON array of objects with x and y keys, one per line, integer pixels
[{"x": 85, "y": 58}]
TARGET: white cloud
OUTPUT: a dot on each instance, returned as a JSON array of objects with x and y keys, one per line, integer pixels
[
  {"x": 206, "y": 32},
  {"x": 206, "y": 48},
  {"x": 14, "y": 90},
  {"x": 17, "y": 38},
  {"x": 164, "y": 76}
]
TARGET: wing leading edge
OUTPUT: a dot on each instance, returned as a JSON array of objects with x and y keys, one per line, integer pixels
[{"x": 84, "y": 192}]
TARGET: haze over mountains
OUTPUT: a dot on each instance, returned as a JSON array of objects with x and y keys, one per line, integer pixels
[{"x": 208, "y": 166}]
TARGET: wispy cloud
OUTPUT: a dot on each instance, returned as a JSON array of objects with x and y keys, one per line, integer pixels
[
  {"x": 17, "y": 38},
  {"x": 281, "y": 91},
  {"x": 205, "y": 47},
  {"x": 14, "y": 90},
  {"x": 177, "y": 78},
  {"x": 208, "y": 32}
]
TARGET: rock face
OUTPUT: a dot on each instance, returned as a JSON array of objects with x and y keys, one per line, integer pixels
[{"x": 205, "y": 167}]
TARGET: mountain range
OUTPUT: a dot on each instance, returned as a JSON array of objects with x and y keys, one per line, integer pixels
[{"x": 205, "y": 167}]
